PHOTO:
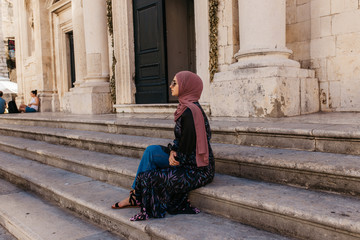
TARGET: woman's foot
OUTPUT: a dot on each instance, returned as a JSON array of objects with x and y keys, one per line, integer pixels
[
  {"x": 127, "y": 202},
  {"x": 122, "y": 204}
]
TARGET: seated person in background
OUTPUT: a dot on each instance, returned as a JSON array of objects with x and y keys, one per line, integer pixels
[
  {"x": 33, "y": 105},
  {"x": 2, "y": 103},
  {"x": 12, "y": 108}
]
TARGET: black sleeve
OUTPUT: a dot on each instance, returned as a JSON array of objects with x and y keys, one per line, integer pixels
[{"x": 187, "y": 143}]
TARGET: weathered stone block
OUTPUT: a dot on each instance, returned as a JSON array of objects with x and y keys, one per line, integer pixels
[
  {"x": 343, "y": 67},
  {"x": 232, "y": 35},
  {"x": 229, "y": 54},
  {"x": 315, "y": 28},
  {"x": 319, "y": 65},
  {"x": 348, "y": 44},
  {"x": 291, "y": 14},
  {"x": 301, "y": 50},
  {"x": 303, "y": 12},
  {"x": 325, "y": 26},
  {"x": 309, "y": 91},
  {"x": 90, "y": 100},
  {"x": 256, "y": 93},
  {"x": 228, "y": 17},
  {"x": 221, "y": 54},
  {"x": 334, "y": 94},
  {"x": 222, "y": 36},
  {"x": 298, "y": 32},
  {"x": 301, "y": 2},
  {"x": 346, "y": 22},
  {"x": 290, "y": 3},
  {"x": 323, "y": 47},
  {"x": 350, "y": 98},
  {"x": 49, "y": 102},
  {"x": 338, "y": 6},
  {"x": 320, "y": 8},
  {"x": 324, "y": 93}
]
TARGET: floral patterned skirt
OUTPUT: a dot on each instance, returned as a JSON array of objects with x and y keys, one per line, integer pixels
[{"x": 161, "y": 190}]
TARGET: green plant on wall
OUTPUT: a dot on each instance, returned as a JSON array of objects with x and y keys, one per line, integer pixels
[
  {"x": 214, "y": 21},
  {"x": 111, "y": 32}
]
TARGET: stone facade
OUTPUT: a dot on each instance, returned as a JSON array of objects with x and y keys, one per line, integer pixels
[
  {"x": 324, "y": 35},
  {"x": 228, "y": 41},
  {"x": 276, "y": 58}
]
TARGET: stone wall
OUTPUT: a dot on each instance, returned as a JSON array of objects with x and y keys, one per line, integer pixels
[
  {"x": 8, "y": 32},
  {"x": 228, "y": 40},
  {"x": 325, "y": 36}
]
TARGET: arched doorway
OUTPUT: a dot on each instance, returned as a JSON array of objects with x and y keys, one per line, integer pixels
[{"x": 164, "y": 36}]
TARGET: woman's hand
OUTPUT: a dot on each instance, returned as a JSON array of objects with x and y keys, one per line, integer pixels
[{"x": 172, "y": 160}]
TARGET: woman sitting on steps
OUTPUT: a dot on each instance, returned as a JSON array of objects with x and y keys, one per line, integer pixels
[
  {"x": 166, "y": 175},
  {"x": 33, "y": 105}
]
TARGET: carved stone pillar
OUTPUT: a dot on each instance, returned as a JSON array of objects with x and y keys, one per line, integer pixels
[
  {"x": 124, "y": 51},
  {"x": 92, "y": 95},
  {"x": 79, "y": 43}
]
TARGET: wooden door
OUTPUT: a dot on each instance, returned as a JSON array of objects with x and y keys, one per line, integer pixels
[{"x": 150, "y": 54}]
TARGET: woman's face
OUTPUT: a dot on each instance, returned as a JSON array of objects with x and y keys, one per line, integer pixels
[
  {"x": 174, "y": 86},
  {"x": 32, "y": 95}
]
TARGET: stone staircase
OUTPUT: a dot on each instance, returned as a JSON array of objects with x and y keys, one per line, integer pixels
[{"x": 275, "y": 179}]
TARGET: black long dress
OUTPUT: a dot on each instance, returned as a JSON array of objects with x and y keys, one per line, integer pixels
[{"x": 161, "y": 190}]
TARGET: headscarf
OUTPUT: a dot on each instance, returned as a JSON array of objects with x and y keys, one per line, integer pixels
[{"x": 190, "y": 88}]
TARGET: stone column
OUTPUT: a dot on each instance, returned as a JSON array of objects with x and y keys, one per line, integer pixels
[
  {"x": 264, "y": 82},
  {"x": 124, "y": 51},
  {"x": 96, "y": 41},
  {"x": 262, "y": 34},
  {"x": 92, "y": 96},
  {"x": 79, "y": 40},
  {"x": 201, "y": 8},
  {"x": 4, "y": 73}
]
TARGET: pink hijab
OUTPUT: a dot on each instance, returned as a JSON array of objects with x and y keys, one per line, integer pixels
[{"x": 190, "y": 88}]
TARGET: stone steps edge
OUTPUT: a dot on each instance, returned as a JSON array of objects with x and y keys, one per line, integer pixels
[
  {"x": 30, "y": 225},
  {"x": 245, "y": 210},
  {"x": 111, "y": 222},
  {"x": 125, "y": 177},
  {"x": 321, "y": 131}
]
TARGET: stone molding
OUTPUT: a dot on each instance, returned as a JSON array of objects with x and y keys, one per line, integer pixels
[
  {"x": 124, "y": 51},
  {"x": 153, "y": 108}
]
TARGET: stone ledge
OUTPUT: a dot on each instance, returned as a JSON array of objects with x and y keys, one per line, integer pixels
[
  {"x": 335, "y": 172},
  {"x": 152, "y": 108},
  {"x": 311, "y": 132}
]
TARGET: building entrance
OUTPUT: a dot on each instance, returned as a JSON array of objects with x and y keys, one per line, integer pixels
[{"x": 164, "y": 35}]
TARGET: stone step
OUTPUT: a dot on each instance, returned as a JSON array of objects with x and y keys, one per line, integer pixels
[
  {"x": 302, "y": 133},
  {"x": 92, "y": 199},
  {"x": 28, "y": 217},
  {"x": 5, "y": 235},
  {"x": 313, "y": 170},
  {"x": 287, "y": 210}
]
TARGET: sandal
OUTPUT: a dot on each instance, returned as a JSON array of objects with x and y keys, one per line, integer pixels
[{"x": 132, "y": 201}]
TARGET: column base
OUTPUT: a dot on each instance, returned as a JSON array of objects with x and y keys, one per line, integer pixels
[
  {"x": 265, "y": 58},
  {"x": 264, "y": 92},
  {"x": 49, "y": 102},
  {"x": 89, "y": 99}
]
